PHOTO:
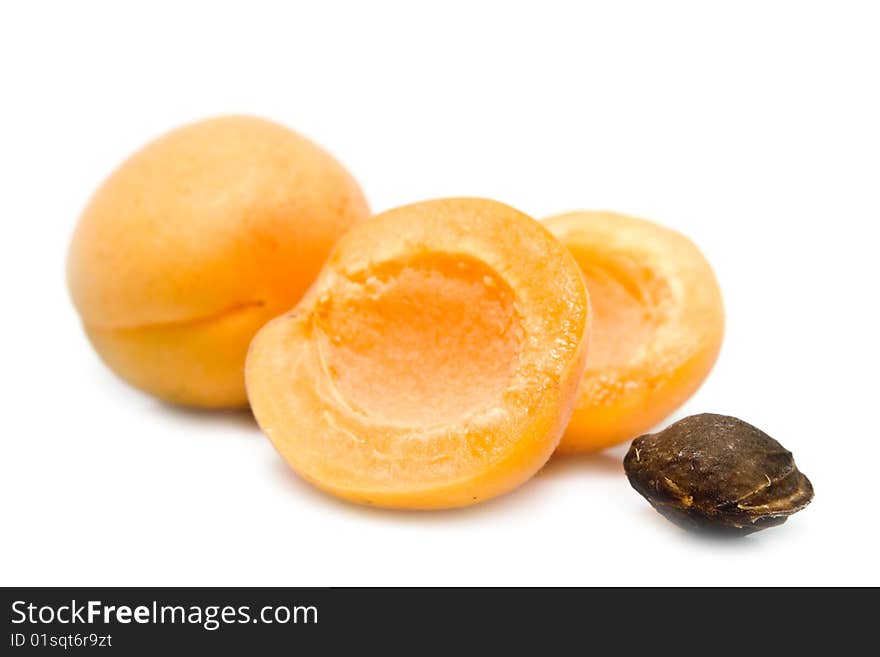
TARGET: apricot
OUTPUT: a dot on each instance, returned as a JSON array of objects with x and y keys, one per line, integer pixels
[
  {"x": 433, "y": 364},
  {"x": 195, "y": 242},
  {"x": 658, "y": 322}
]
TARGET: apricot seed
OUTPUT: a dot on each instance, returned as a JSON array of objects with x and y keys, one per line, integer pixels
[
  {"x": 717, "y": 473},
  {"x": 196, "y": 241},
  {"x": 658, "y": 322},
  {"x": 435, "y": 361}
]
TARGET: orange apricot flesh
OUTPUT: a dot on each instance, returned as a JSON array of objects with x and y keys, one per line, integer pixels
[
  {"x": 195, "y": 242},
  {"x": 435, "y": 361},
  {"x": 658, "y": 323}
]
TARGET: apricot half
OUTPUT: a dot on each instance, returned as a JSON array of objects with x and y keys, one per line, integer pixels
[
  {"x": 433, "y": 364},
  {"x": 658, "y": 322},
  {"x": 195, "y": 242}
]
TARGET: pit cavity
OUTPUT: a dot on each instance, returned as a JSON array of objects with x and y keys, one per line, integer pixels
[
  {"x": 625, "y": 300},
  {"x": 421, "y": 343}
]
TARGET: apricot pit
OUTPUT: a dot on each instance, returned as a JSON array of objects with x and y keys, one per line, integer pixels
[{"x": 717, "y": 473}]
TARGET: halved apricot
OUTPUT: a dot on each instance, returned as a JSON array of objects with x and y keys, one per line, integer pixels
[
  {"x": 433, "y": 364},
  {"x": 658, "y": 322}
]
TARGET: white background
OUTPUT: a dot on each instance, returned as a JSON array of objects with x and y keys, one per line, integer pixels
[{"x": 753, "y": 127}]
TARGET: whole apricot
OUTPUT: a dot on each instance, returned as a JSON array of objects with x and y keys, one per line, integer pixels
[
  {"x": 433, "y": 364},
  {"x": 658, "y": 322},
  {"x": 197, "y": 240}
]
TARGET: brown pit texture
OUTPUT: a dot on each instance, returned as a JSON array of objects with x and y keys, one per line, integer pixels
[{"x": 718, "y": 473}]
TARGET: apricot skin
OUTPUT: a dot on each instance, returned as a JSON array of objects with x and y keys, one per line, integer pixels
[
  {"x": 433, "y": 364},
  {"x": 658, "y": 323},
  {"x": 196, "y": 241}
]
